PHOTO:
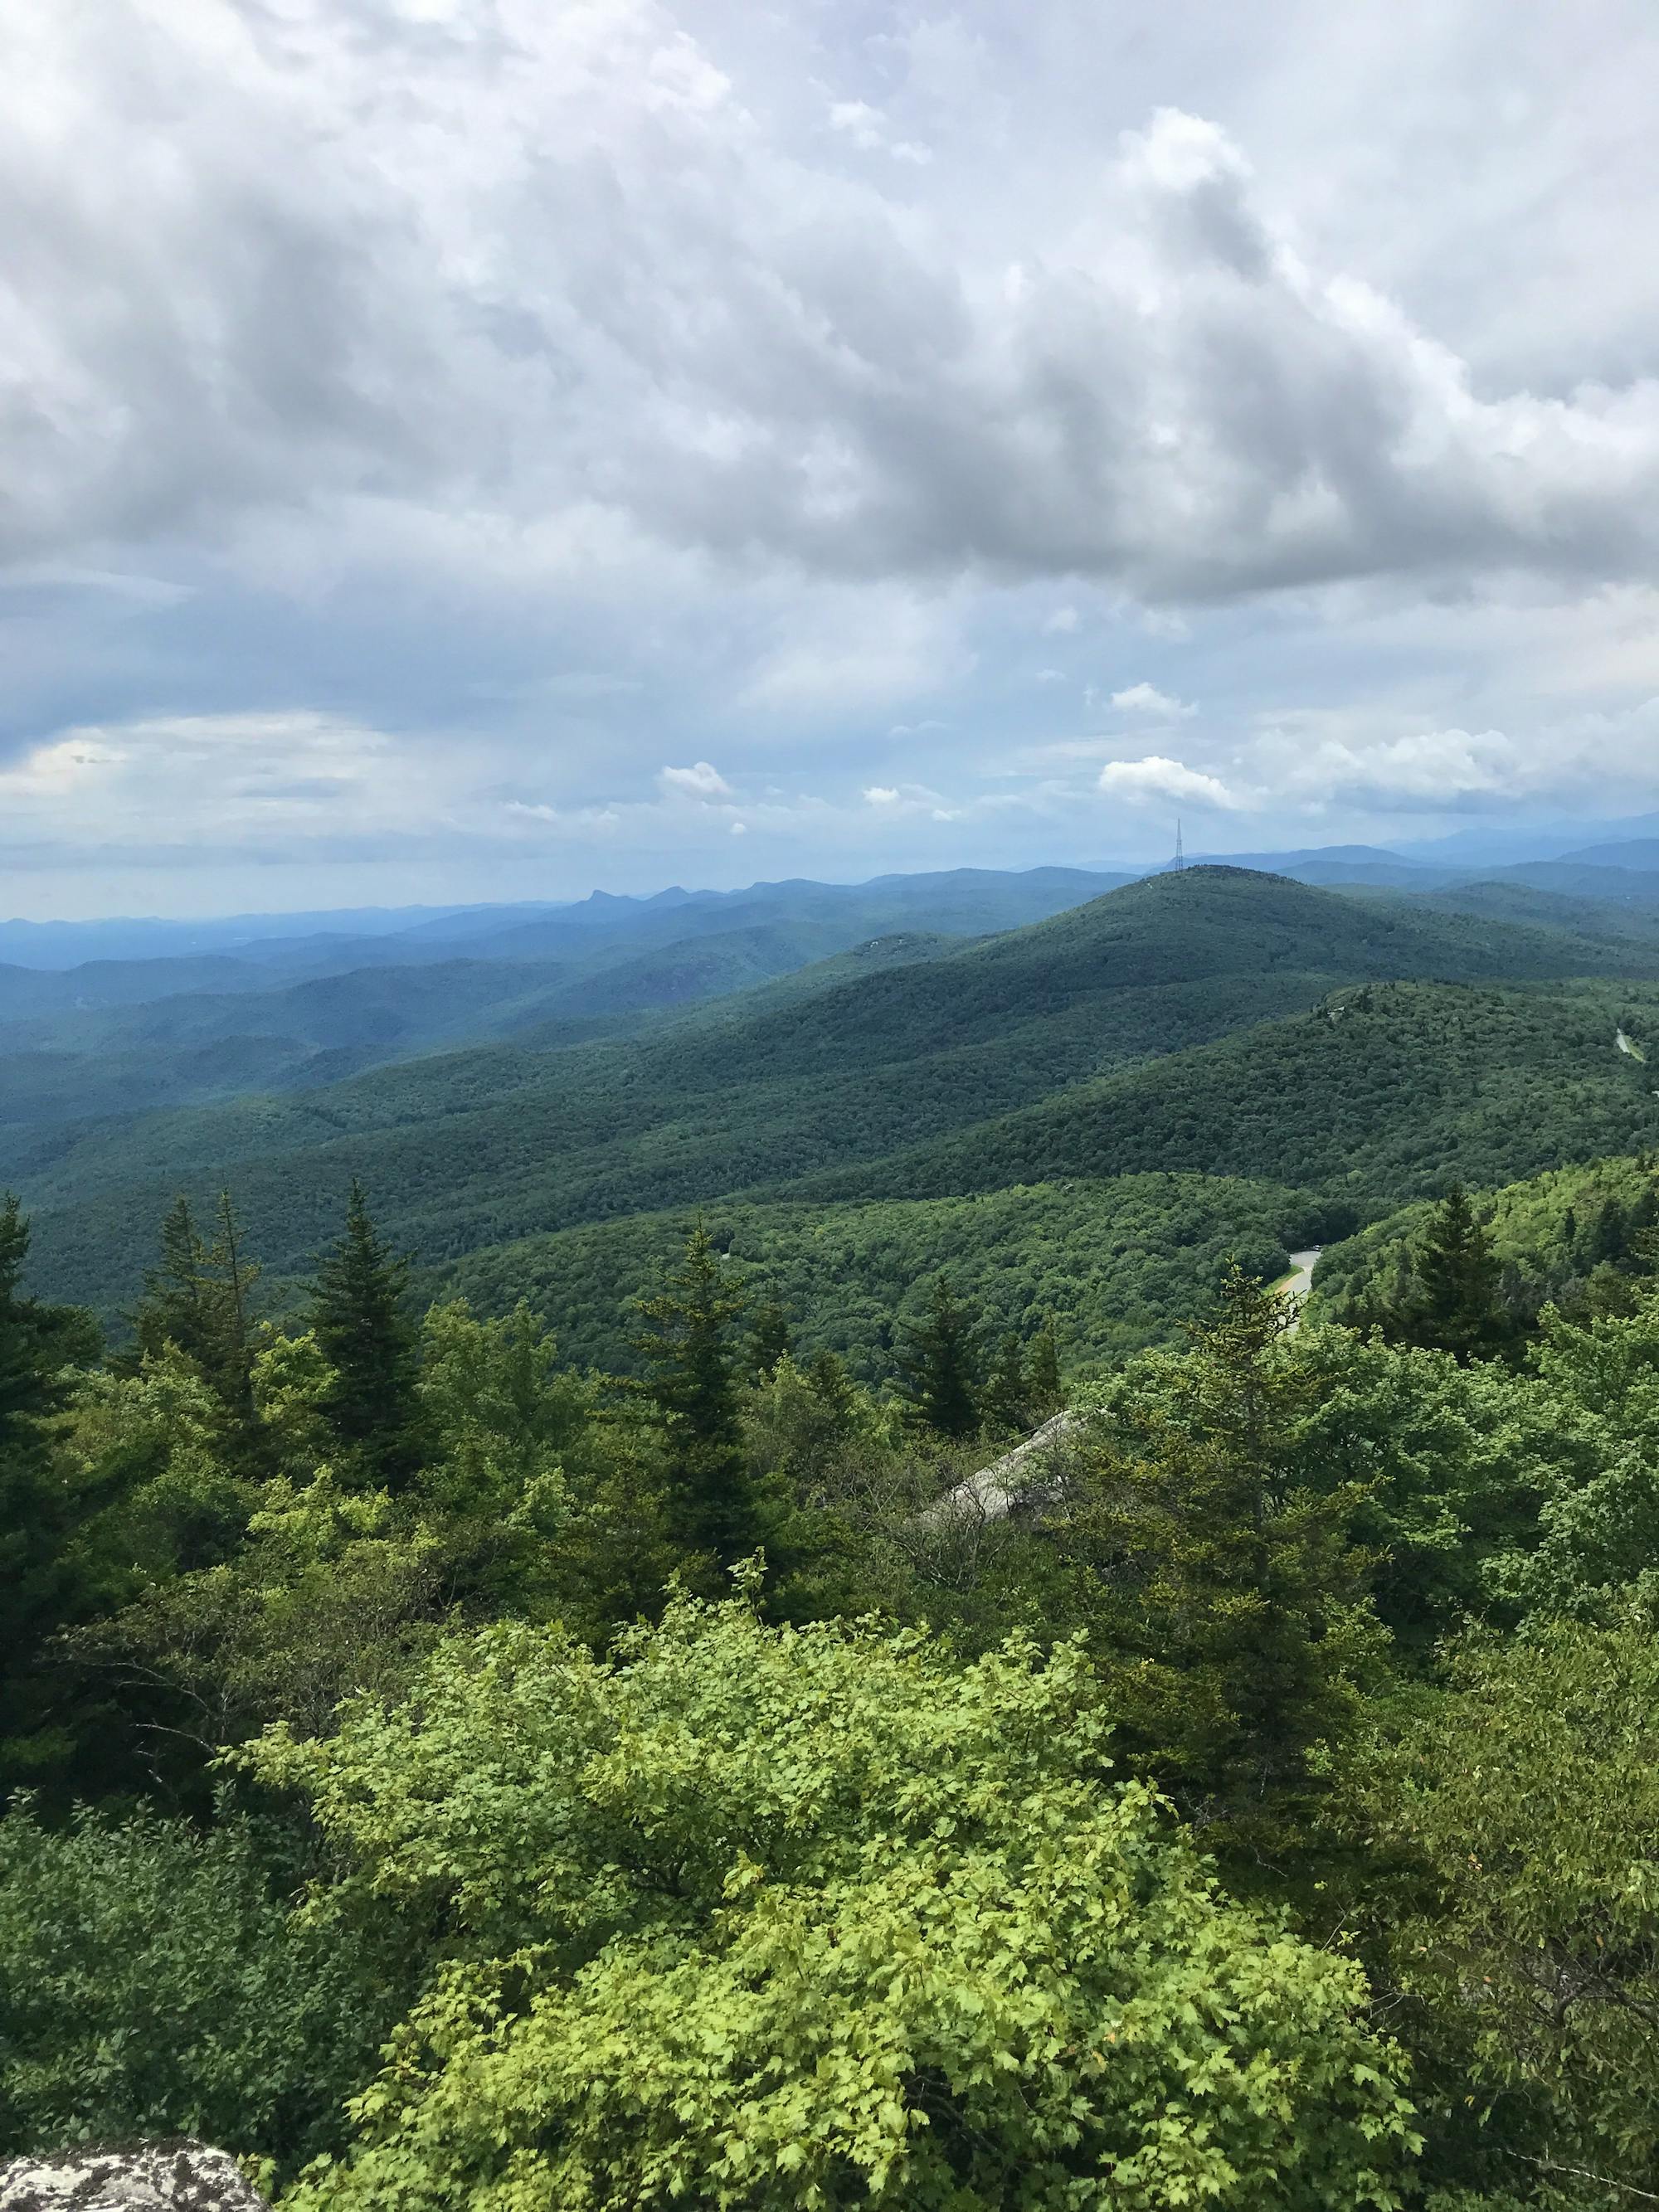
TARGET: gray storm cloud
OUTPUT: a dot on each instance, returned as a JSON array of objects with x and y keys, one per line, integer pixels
[{"x": 533, "y": 263}]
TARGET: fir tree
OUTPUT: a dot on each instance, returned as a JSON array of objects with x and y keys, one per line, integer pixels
[
  {"x": 1452, "y": 1299},
  {"x": 175, "y": 1308},
  {"x": 1007, "y": 1393},
  {"x": 769, "y": 1338},
  {"x": 196, "y": 1299},
  {"x": 232, "y": 1278},
  {"x": 40, "y": 1512},
  {"x": 1045, "y": 1388},
  {"x": 1608, "y": 1237},
  {"x": 939, "y": 1366},
  {"x": 832, "y": 1386},
  {"x": 359, "y": 1316},
  {"x": 692, "y": 1383},
  {"x": 1226, "y": 1586}
]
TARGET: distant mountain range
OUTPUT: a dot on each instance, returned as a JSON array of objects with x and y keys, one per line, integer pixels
[{"x": 1205, "y": 1021}]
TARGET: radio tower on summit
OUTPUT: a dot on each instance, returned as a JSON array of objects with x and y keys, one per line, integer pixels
[{"x": 1180, "y": 858}]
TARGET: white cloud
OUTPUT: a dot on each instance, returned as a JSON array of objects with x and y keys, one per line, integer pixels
[
  {"x": 379, "y": 263},
  {"x": 869, "y": 130},
  {"x": 1147, "y": 698},
  {"x": 547, "y": 388},
  {"x": 699, "y": 780},
  {"x": 1155, "y": 778},
  {"x": 739, "y": 829},
  {"x": 882, "y": 794}
]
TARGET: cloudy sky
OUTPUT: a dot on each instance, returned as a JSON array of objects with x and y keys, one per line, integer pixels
[{"x": 459, "y": 449}]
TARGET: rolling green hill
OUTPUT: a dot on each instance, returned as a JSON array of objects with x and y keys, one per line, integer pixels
[
  {"x": 1382, "y": 1093},
  {"x": 1010, "y": 1060},
  {"x": 1114, "y": 1263},
  {"x": 1552, "y": 1228},
  {"x": 115, "y": 1037}
]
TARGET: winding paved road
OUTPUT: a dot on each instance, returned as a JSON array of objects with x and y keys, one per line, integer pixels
[{"x": 1296, "y": 1286}]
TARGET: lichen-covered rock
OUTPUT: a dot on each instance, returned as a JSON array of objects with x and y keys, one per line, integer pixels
[{"x": 159, "y": 2177}]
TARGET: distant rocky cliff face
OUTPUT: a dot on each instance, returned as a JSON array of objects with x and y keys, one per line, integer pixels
[{"x": 171, "y": 2177}]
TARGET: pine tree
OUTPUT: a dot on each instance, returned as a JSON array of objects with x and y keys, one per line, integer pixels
[
  {"x": 830, "y": 1383},
  {"x": 939, "y": 1366},
  {"x": 1007, "y": 1393},
  {"x": 232, "y": 1278},
  {"x": 1608, "y": 1236},
  {"x": 1452, "y": 1299},
  {"x": 692, "y": 1383},
  {"x": 359, "y": 1315},
  {"x": 175, "y": 1307},
  {"x": 769, "y": 1338},
  {"x": 1224, "y": 1584},
  {"x": 1044, "y": 1386},
  {"x": 196, "y": 1299},
  {"x": 40, "y": 1513}
]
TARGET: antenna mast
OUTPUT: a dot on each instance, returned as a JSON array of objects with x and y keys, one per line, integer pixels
[{"x": 1180, "y": 858}]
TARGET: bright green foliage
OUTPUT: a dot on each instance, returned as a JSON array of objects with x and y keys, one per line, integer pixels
[
  {"x": 155, "y": 1981},
  {"x": 508, "y": 1431},
  {"x": 1543, "y": 1232},
  {"x": 364, "y": 1335},
  {"x": 797, "y": 1424},
  {"x": 334, "y": 1592},
  {"x": 153, "y": 1443},
  {"x": 1520, "y": 1810},
  {"x": 939, "y": 1366},
  {"x": 1596, "y": 1549},
  {"x": 692, "y": 1382},
  {"x": 501, "y": 1413},
  {"x": 1451, "y": 1465},
  {"x": 778, "y": 1919}
]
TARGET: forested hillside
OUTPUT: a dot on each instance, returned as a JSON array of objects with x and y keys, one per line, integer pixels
[
  {"x": 511, "y": 1696},
  {"x": 819, "y": 1081},
  {"x": 112, "y": 1036}
]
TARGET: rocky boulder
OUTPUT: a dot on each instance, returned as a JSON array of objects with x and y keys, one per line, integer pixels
[{"x": 159, "y": 2177}]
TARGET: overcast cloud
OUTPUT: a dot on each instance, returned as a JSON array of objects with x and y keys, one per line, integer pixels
[{"x": 472, "y": 447}]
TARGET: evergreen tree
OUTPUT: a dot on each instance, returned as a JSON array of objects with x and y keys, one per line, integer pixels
[
  {"x": 196, "y": 1299},
  {"x": 1452, "y": 1296},
  {"x": 1007, "y": 1393},
  {"x": 769, "y": 1338},
  {"x": 175, "y": 1307},
  {"x": 692, "y": 1383},
  {"x": 830, "y": 1383},
  {"x": 1227, "y": 1590},
  {"x": 40, "y": 1512},
  {"x": 359, "y": 1316},
  {"x": 939, "y": 1366},
  {"x": 1608, "y": 1237},
  {"x": 232, "y": 1278},
  {"x": 1045, "y": 1388}
]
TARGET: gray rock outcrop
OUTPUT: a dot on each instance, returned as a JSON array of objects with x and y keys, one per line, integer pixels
[{"x": 160, "y": 2177}]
